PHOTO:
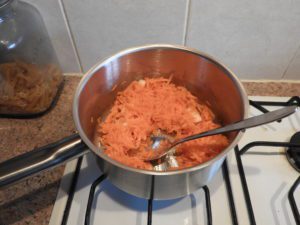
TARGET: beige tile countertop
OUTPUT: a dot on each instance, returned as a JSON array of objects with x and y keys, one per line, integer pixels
[{"x": 31, "y": 201}]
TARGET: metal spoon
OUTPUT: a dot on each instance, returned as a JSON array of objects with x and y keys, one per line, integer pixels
[
  {"x": 169, "y": 161},
  {"x": 241, "y": 125}
]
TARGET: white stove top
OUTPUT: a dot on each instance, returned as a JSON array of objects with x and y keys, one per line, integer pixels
[{"x": 268, "y": 173}]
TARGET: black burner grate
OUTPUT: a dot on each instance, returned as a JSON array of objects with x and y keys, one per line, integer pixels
[
  {"x": 293, "y": 201},
  {"x": 293, "y": 153},
  {"x": 99, "y": 180},
  {"x": 229, "y": 193},
  {"x": 150, "y": 201},
  {"x": 238, "y": 152},
  {"x": 71, "y": 192},
  {"x": 208, "y": 205},
  {"x": 91, "y": 198}
]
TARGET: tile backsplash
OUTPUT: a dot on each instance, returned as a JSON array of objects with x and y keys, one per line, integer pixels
[
  {"x": 102, "y": 27},
  {"x": 54, "y": 18},
  {"x": 255, "y": 39}
]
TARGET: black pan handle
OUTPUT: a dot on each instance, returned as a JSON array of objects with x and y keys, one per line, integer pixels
[{"x": 42, "y": 158}]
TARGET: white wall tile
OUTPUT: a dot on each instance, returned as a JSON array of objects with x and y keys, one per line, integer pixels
[
  {"x": 102, "y": 27},
  {"x": 57, "y": 29},
  {"x": 293, "y": 70},
  {"x": 256, "y": 39}
]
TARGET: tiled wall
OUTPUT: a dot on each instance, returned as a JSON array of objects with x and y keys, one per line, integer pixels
[{"x": 257, "y": 39}]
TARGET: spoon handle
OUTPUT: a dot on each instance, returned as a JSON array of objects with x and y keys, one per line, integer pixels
[{"x": 247, "y": 123}]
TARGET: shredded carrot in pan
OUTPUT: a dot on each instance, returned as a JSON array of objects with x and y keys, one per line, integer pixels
[{"x": 151, "y": 105}]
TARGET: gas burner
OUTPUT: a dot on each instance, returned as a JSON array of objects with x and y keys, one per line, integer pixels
[
  {"x": 244, "y": 176},
  {"x": 293, "y": 153}
]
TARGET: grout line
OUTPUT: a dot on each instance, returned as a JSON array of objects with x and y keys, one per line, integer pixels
[
  {"x": 290, "y": 62},
  {"x": 62, "y": 6},
  {"x": 186, "y": 21}
]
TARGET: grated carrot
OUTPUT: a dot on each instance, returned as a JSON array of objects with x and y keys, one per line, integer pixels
[{"x": 147, "y": 106}]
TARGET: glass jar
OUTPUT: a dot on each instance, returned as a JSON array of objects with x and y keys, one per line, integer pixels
[{"x": 30, "y": 75}]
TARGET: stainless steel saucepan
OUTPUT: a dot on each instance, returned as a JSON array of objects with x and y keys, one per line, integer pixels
[{"x": 203, "y": 75}]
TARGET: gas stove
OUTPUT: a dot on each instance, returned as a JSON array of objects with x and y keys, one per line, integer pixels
[{"x": 259, "y": 183}]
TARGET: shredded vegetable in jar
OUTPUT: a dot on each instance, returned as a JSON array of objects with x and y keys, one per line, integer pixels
[{"x": 26, "y": 88}]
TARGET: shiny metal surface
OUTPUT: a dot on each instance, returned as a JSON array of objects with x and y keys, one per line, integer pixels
[
  {"x": 41, "y": 159},
  {"x": 169, "y": 161},
  {"x": 206, "y": 78},
  {"x": 244, "y": 124}
]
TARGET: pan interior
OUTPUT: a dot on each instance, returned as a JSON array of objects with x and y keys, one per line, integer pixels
[{"x": 201, "y": 75}]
